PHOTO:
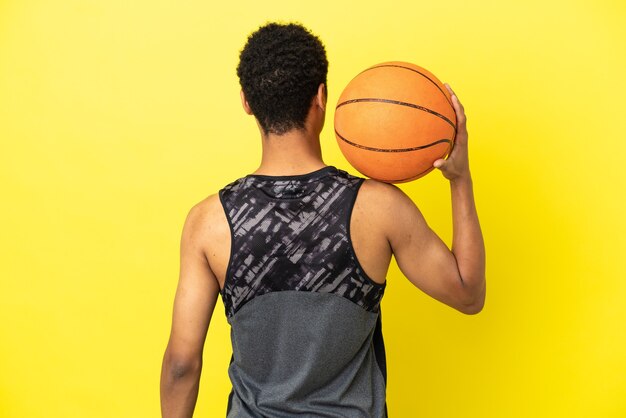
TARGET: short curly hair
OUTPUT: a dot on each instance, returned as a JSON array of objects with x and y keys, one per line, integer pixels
[{"x": 280, "y": 69}]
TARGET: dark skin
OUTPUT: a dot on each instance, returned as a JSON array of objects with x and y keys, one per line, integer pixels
[{"x": 455, "y": 277}]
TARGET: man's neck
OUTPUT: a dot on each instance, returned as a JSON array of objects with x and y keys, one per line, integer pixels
[{"x": 296, "y": 152}]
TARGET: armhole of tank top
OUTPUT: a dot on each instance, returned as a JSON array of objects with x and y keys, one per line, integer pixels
[
  {"x": 348, "y": 229},
  {"x": 232, "y": 240}
]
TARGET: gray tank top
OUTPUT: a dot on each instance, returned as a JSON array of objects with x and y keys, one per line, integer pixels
[{"x": 305, "y": 318}]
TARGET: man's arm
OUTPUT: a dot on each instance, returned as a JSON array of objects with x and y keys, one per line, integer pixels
[
  {"x": 467, "y": 241},
  {"x": 194, "y": 303},
  {"x": 457, "y": 277}
]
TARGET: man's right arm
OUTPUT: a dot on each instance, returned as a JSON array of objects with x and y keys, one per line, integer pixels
[{"x": 455, "y": 277}]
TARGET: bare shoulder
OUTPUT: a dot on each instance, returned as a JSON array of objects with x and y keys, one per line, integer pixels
[
  {"x": 378, "y": 196},
  {"x": 392, "y": 211},
  {"x": 206, "y": 223},
  {"x": 208, "y": 208},
  {"x": 379, "y": 187},
  {"x": 205, "y": 212},
  {"x": 211, "y": 233}
]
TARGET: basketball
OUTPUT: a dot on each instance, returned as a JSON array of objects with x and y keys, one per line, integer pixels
[{"x": 393, "y": 120}]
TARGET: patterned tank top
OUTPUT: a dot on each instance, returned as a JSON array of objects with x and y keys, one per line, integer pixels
[{"x": 305, "y": 318}]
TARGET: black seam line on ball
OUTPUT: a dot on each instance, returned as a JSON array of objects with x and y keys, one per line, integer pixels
[
  {"x": 354, "y": 144},
  {"x": 415, "y": 71},
  {"x": 397, "y": 102}
]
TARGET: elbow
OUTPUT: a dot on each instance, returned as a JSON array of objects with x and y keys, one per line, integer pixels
[
  {"x": 179, "y": 370},
  {"x": 472, "y": 309},
  {"x": 476, "y": 302},
  {"x": 179, "y": 367}
]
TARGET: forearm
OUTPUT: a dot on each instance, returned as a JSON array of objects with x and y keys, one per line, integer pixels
[
  {"x": 179, "y": 391},
  {"x": 467, "y": 242}
]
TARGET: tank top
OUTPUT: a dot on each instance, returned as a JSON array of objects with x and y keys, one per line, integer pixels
[{"x": 305, "y": 318}]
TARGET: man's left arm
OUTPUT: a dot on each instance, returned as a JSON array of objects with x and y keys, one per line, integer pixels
[{"x": 194, "y": 302}]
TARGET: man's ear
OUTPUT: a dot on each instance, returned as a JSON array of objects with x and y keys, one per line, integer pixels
[
  {"x": 320, "y": 99},
  {"x": 244, "y": 103}
]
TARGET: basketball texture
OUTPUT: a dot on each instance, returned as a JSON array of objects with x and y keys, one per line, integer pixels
[{"x": 393, "y": 120}]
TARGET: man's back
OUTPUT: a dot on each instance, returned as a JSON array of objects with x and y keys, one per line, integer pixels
[
  {"x": 367, "y": 231},
  {"x": 305, "y": 317}
]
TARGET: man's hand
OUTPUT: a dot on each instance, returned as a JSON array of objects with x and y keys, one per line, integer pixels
[{"x": 456, "y": 166}]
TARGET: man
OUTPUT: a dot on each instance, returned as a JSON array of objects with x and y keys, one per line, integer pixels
[{"x": 299, "y": 252}]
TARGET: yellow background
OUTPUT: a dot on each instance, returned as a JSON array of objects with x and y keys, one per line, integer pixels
[{"x": 117, "y": 116}]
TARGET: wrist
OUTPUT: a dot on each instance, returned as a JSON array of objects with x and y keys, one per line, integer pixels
[{"x": 461, "y": 180}]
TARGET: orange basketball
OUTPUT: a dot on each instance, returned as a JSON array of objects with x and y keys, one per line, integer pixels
[{"x": 393, "y": 120}]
